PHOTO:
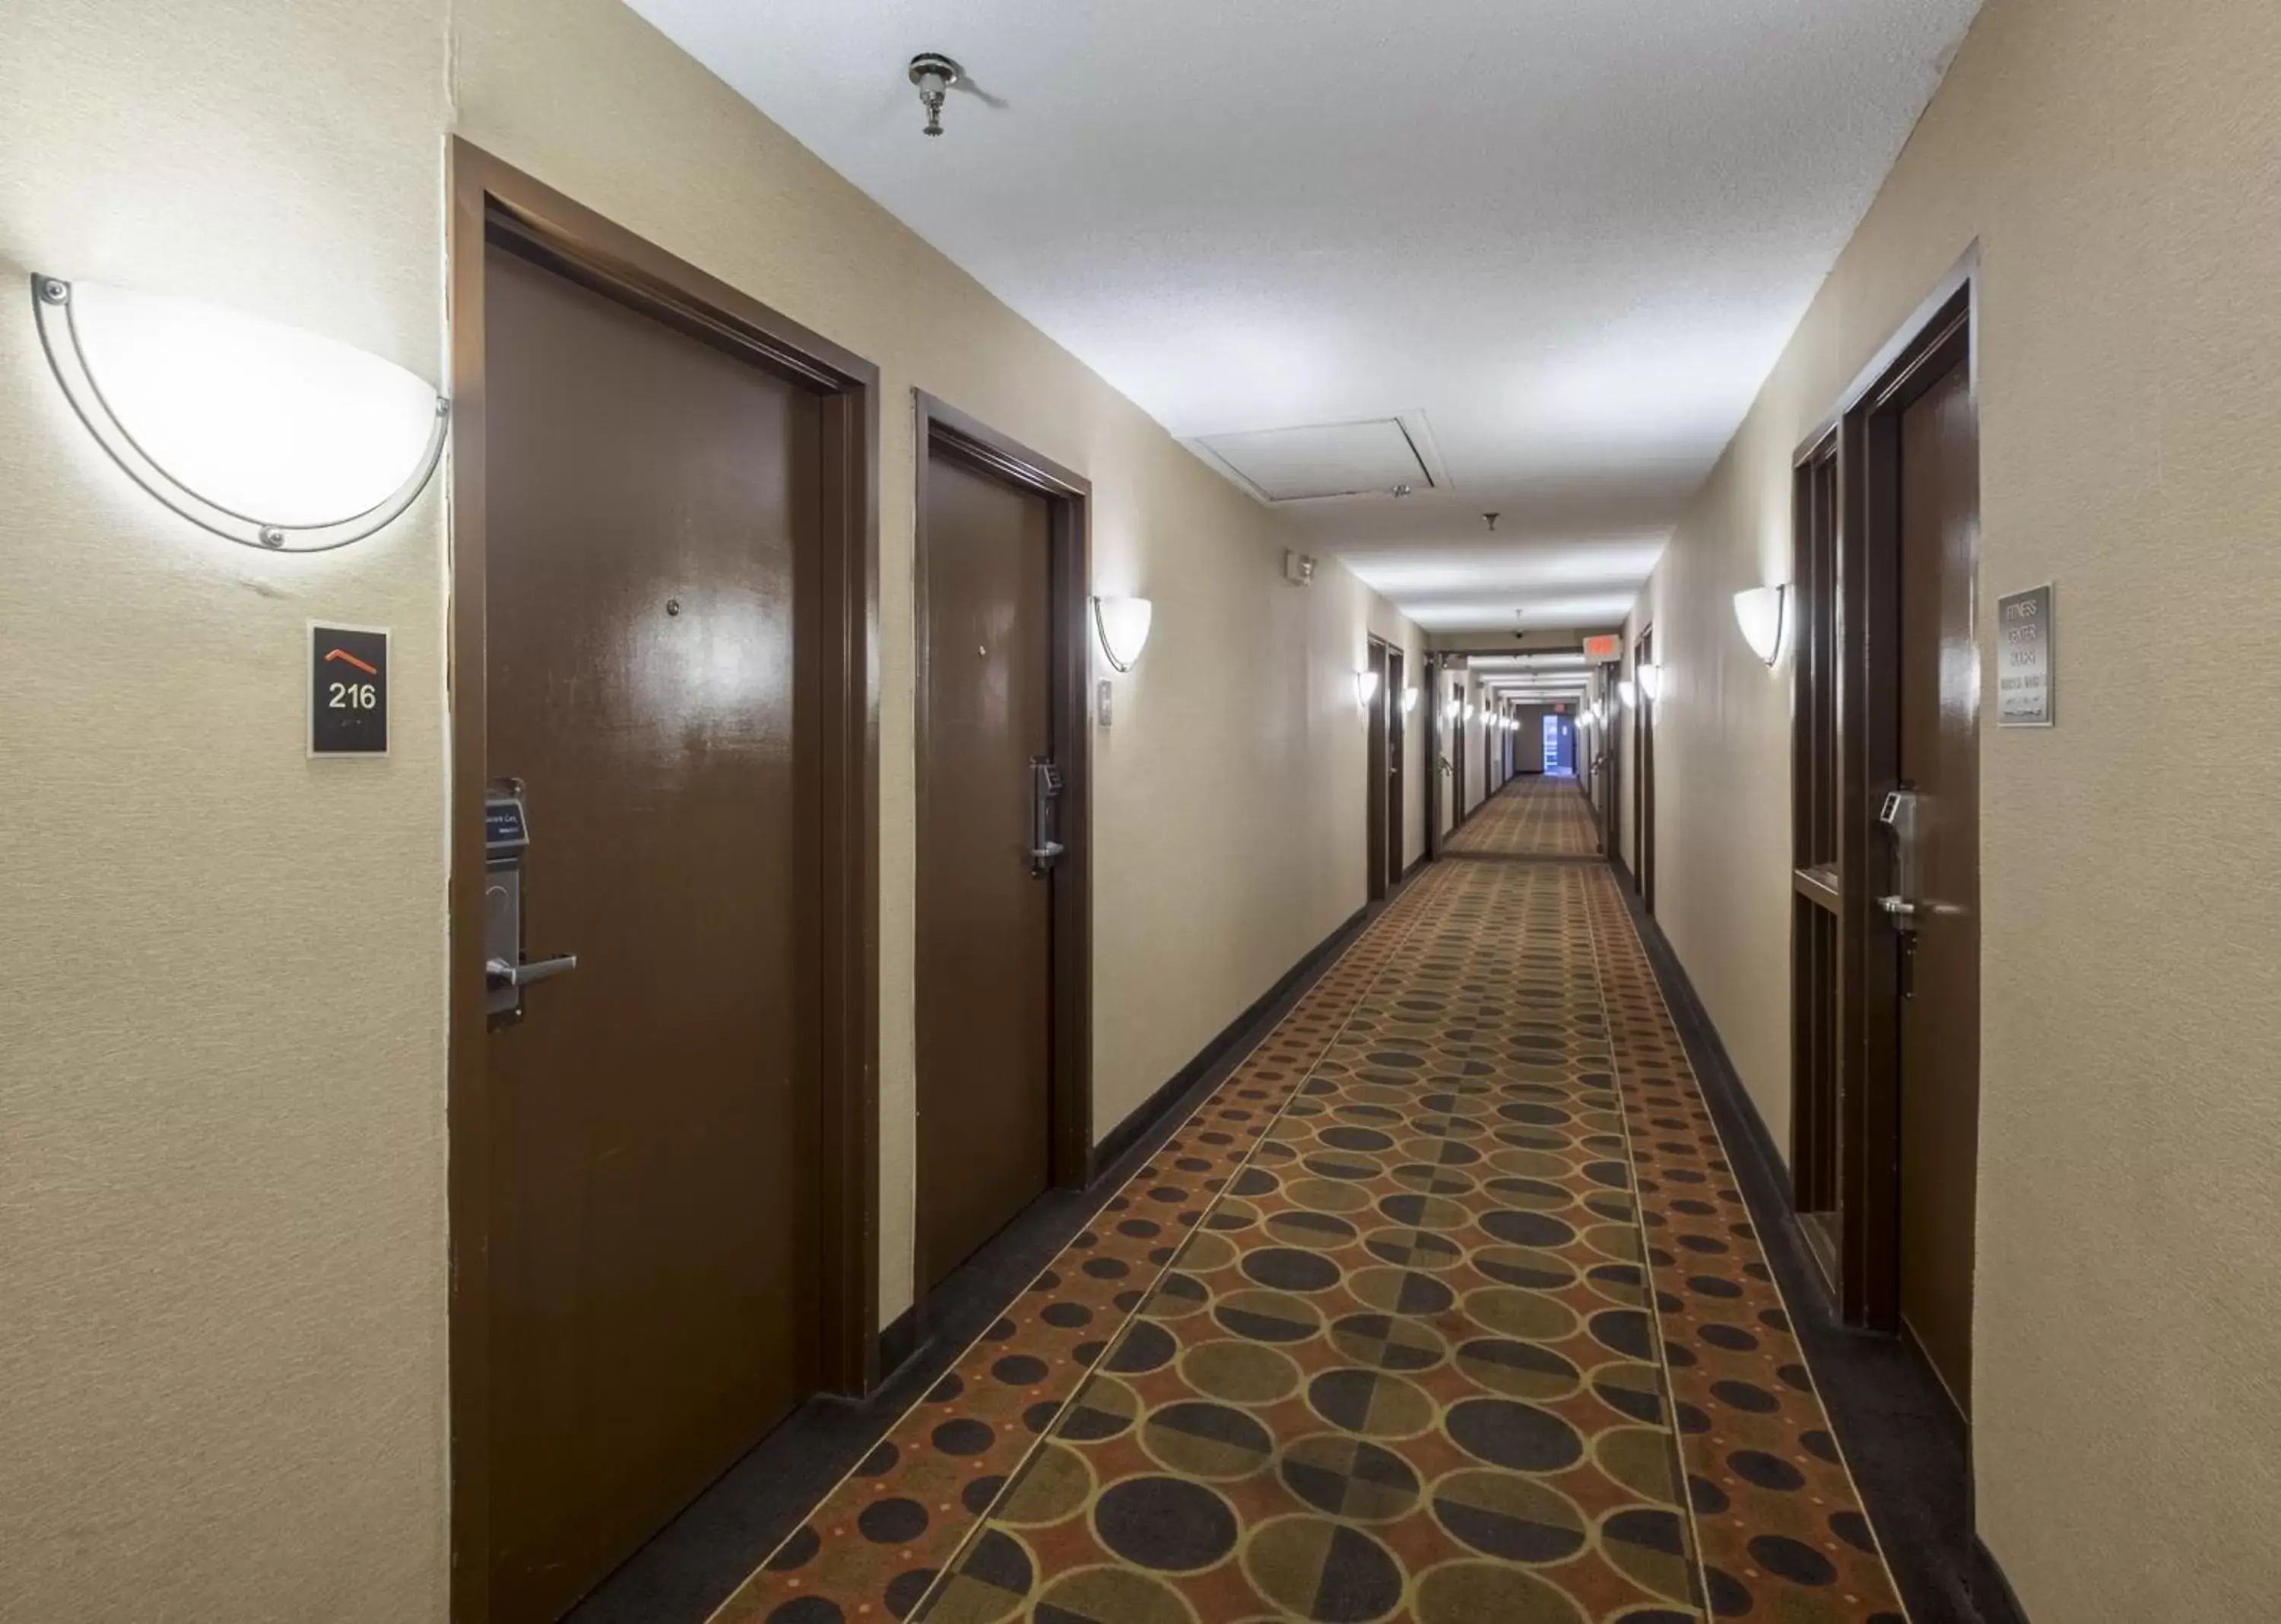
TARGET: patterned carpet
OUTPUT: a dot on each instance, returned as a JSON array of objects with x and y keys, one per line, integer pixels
[
  {"x": 1441, "y": 1310},
  {"x": 1531, "y": 817}
]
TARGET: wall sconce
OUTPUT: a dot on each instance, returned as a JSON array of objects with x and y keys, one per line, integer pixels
[
  {"x": 1651, "y": 683},
  {"x": 1627, "y": 690},
  {"x": 1366, "y": 687},
  {"x": 1409, "y": 700},
  {"x": 1760, "y": 613},
  {"x": 1122, "y": 625},
  {"x": 266, "y": 434}
]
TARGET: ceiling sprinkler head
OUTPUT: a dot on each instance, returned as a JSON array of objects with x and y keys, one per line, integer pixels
[
  {"x": 1401, "y": 490},
  {"x": 1492, "y": 519},
  {"x": 934, "y": 74}
]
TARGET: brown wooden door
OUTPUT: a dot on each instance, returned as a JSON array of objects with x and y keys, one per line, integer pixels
[
  {"x": 1375, "y": 753},
  {"x": 1457, "y": 751},
  {"x": 1938, "y": 699},
  {"x": 1644, "y": 781},
  {"x": 1437, "y": 745},
  {"x": 1612, "y": 790},
  {"x": 1397, "y": 784},
  {"x": 986, "y": 913},
  {"x": 653, "y": 502}
]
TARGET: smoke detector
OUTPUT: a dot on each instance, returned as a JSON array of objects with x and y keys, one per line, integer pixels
[{"x": 934, "y": 74}]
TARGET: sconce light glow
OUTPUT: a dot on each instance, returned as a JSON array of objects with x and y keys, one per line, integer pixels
[
  {"x": 1759, "y": 613},
  {"x": 1409, "y": 700},
  {"x": 263, "y": 434},
  {"x": 1627, "y": 690},
  {"x": 1651, "y": 682},
  {"x": 1122, "y": 625},
  {"x": 1366, "y": 687}
]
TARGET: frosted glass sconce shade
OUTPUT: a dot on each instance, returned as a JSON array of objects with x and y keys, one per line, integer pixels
[
  {"x": 1759, "y": 612},
  {"x": 263, "y": 434},
  {"x": 1122, "y": 625}
]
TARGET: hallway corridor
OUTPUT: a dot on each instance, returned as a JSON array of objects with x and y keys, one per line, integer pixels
[
  {"x": 1186, "y": 814},
  {"x": 1532, "y": 818},
  {"x": 1368, "y": 1338}
]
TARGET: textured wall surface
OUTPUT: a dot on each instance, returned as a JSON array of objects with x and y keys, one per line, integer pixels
[
  {"x": 223, "y": 1238},
  {"x": 2117, "y": 164},
  {"x": 221, "y": 981}
]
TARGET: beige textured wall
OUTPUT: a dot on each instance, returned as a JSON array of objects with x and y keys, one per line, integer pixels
[
  {"x": 2117, "y": 164},
  {"x": 221, "y": 1149},
  {"x": 221, "y": 1145}
]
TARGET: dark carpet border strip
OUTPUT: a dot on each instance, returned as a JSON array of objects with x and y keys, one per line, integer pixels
[{"x": 1902, "y": 1445}]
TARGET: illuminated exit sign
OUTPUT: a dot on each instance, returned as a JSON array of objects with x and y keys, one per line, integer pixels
[{"x": 1608, "y": 647}]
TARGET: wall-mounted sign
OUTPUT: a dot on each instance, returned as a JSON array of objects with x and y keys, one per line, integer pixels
[
  {"x": 1609, "y": 646},
  {"x": 2023, "y": 659},
  {"x": 348, "y": 691}
]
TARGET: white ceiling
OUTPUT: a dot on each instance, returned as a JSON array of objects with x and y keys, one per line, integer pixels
[{"x": 1572, "y": 235}]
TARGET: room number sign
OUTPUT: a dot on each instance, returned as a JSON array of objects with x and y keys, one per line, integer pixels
[
  {"x": 2023, "y": 659},
  {"x": 348, "y": 691}
]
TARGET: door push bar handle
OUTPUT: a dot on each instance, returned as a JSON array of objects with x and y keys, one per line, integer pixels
[{"x": 500, "y": 972}]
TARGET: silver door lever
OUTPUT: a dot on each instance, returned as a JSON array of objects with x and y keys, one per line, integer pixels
[
  {"x": 501, "y": 972},
  {"x": 1045, "y": 796}
]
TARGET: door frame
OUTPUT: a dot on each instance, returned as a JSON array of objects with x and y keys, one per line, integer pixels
[
  {"x": 1430, "y": 686},
  {"x": 1377, "y": 749},
  {"x": 1398, "y": 766},
  {"x": 574, "y": 240},
  {"x": 1610, "y": 759},
  {"x": 1069, "y": 497},
  {"x": 1864, "y": 429},
  {"x": 1458, "y": 811},
  {"x": 1816, "y": 987}
]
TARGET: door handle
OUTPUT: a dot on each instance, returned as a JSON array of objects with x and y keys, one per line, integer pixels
[
  {"x": 1045, "y": 798},
  {"x": 503, "y": 972},
  {"x": 1900, "y": 910}
]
